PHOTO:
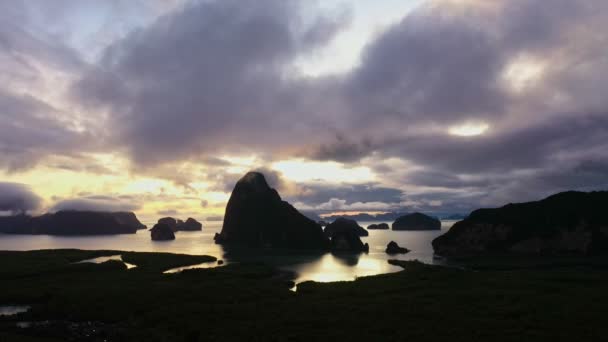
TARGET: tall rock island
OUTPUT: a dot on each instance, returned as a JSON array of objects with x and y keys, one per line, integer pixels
[
  {"x": 416, "y": 221},
  {"x": 256, "y": 216}
]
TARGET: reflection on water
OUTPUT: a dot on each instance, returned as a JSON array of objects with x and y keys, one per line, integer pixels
[
  {"x": 332, "y": 267},
  {"x": 197, "y": 243},
  {"x": 318, "y": 267},
  {"x": 103, "y": 259},
  {"x": 10, "y": 310},
  {"x": 208, "y": 264}
]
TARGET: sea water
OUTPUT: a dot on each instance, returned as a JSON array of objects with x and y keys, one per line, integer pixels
[{"x": 318, "y": 267}]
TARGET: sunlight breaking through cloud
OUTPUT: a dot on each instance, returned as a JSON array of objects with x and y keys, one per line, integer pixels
[
  {"x": 300, "y": 170},
  {"x": 469, "y": 129}
]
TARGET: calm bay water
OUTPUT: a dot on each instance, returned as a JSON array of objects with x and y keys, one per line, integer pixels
[{"x": 318, "y": 267}]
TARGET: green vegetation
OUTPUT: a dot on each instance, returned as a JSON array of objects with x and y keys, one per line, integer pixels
[{"x": 253, "y": 302}]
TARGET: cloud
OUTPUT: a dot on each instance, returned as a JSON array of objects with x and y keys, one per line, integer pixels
[
  {"x": 29, "y": 132},
  {"x": 97, "y": 203},
  {"x": 342, "y": 149},
  {"x": 18, "y": 198},
  {"x": 317, "y": 194},
  {"x": 317, "y": 198},
  {"x": 190, "y": 84},
  {"x": 35, "y": 65},
  {"x": 531, "y": 71},
  {"x": 210, "y": 78},
  {"x": 44, "y": 48},
  {"x": 435, "y": 65},
  {"x": 337, "y": 204},
  {"x": 25, "y": 44},
  {"x": 168, "y": 212},
  {"x": 214, "y": 161},
  {"x": 519, "y": 148}
]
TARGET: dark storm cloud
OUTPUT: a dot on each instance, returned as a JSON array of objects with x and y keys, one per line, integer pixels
[
  {"x": 29, "y": 132},
  {"x": 538, "y": 25},
  {"x": 443, "y": 64},
  {"x": 18, "y": 198},
  {"x": 343, "y": 149},
  {"x": 434, "y": 178},
  {"x": 211, "y": 77},
  {"x": 44, "y": 45},
  {"x": 524, "y": 148},
  {"x": 214, "y": 161},
  {"x": 30, "y": 127},
  {"x": 23, "y": 44},
  {"x": 519, "y": 165},
  {"x": 80, "y": 163},
  {"x": 433, "y": 65},
  {"x": 217, "y": 78},
  {"x": 318, "y": 194},
  {"x": 96, "y": 203},
  {"x": 568, "y": 175}
]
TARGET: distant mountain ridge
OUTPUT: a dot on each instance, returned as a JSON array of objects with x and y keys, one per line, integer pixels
[
  {"x": 390, "y": 216},
  {"x": 71, "y": 222}
]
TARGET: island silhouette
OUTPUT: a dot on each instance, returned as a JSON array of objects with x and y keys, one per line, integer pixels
[{"x": 502, "y": 259}]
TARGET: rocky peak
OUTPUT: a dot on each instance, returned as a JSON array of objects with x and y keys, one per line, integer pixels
[
  {"x": 253, "y": 182},
  {"x": 257, "y": 217}
]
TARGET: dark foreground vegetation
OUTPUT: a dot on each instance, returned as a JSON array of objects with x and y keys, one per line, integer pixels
[{"x": 548, "y": 300}]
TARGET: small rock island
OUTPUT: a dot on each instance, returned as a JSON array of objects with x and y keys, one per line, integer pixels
[
  {"x": 162, "y": 232},
  {"x": 178, "y": 225},
  {"x": 417, "y": 221},
  {"x": 394, "y": 248},
  {"x": 379, "y": 226}
]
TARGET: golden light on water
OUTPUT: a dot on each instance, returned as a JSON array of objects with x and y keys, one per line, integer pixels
[{"x": 330, "y": 268}]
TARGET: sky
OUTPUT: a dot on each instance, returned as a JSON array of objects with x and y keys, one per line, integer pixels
[{"x": 159, "y": 107}]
